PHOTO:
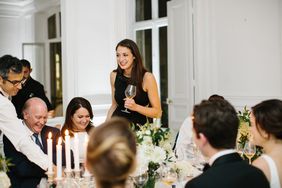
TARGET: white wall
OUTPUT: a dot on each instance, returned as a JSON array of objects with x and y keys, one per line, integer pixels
[
  {"x": 10, "y": 41},
  {"x": 90, "y": 31},
  {"x": 239, "y": 49}
]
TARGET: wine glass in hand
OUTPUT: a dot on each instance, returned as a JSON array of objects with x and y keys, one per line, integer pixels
[
  {"x": 249, "y": 150},
  {"x": 130, "y": 93}
]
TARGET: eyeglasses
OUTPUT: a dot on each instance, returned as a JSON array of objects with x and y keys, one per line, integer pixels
[{"x": 16, "y": 82}]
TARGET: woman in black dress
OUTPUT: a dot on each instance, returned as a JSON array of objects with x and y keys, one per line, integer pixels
[{"x": 130, "y": 70}]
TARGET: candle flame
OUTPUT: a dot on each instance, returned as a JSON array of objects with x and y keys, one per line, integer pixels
[
  {"x": 60, "y": 141},
  {"x": 67, "y": 132},
  {"x": 50, "y": 135}
]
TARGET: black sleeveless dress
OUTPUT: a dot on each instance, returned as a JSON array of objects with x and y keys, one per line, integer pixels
[{"x": 121, "y": 83}]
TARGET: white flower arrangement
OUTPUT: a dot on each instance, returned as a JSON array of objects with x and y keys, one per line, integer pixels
[
  {"x": 4, "y": 180},
  {"x": 154, "y": 149}
]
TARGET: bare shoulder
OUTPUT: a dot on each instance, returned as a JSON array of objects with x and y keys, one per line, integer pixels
[
  {"x": 149, "y": 81},
  {"x": 148, "y": 77},
  {"x": 113, "y": 76},
  {"x": 262, "y": 165},
  {"x": 259, "y": 161}
]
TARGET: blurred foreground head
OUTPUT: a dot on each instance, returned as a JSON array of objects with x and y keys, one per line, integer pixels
[{"x": 111, "y": 152}]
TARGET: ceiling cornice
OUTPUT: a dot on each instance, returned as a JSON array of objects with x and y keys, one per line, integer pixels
[
  {"x": 17, "y": 8},
  {"x": 14, "y": 8}
]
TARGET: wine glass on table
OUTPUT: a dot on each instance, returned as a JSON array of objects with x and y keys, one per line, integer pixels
[
  {"x": 130, "y": 93},
  {"x": 140, "y": 180},
  {"x": 249, "y": 150},
  {"x": 168, "y": 175}
]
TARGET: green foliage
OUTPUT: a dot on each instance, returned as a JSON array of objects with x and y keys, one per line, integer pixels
[
  {"x": 244, "y": 134},
  {"x": 5, "y": 164},
  {"x": 152, "y": 168},
  {"x": 157, "y": 134},
  {"x": 244, "y": 116}
]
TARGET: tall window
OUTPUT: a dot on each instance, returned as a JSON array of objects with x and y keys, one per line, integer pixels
[
  {"x": 150, "y": 31},
  {"x": 55, "y": 59}
]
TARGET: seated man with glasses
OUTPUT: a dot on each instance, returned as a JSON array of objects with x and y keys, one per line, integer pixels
[{"x": 11, "y": 79}]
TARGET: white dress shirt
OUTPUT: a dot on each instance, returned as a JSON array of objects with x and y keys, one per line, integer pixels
[
  {"x": 31, "y": 133},
  {"x": 13, "y": 128}
]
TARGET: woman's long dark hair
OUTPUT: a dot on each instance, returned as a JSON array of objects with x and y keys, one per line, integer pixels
[
  {"x": 73, "y": 106},
  {"x": 268, "y": 117},
  {"x": 138, "y": 69}
]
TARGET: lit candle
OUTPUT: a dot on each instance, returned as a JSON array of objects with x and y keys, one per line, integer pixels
[
  {"x": 59, "y": 158},
  {"x": 76, "y": 152},
  {"x": 67, "y": 151},
  {"x": 86, "y": 172},
  {"x": 50, "y": 153}
]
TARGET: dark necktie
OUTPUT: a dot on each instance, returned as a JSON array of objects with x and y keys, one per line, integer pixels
[{"x": 37, "y": 141}]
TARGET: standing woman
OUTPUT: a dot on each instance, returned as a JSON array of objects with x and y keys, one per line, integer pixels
[
  {"x": 78, "y": 120},
  {"x": 266, "y": 129},
  {"x": 130, "y": 70}
]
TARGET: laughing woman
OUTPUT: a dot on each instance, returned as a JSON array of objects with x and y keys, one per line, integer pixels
[
  {"x": 130, "y": 70},
  {"x": 78, "y": 120}
]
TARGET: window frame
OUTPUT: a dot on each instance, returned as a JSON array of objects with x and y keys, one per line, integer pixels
[{"x": 154, "y": 24}]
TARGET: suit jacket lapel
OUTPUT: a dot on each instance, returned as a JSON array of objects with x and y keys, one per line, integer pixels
[{"x": 229, "y": 158}]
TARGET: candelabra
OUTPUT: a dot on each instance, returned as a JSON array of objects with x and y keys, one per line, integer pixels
[
  {"x": 50, "y": 180},
  {"x": 88, "y": 181},
  {"x": 71, "y": 179}
]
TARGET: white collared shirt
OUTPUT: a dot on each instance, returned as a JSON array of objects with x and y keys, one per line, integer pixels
[
  {"x": 4, "y": 93},
  {"x": 219, "y": 154},
  {"x": 13, "y": 128},
  {"x": 31, "y": 133}
]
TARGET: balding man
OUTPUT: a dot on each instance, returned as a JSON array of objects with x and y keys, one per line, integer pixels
[{"x": 25, "y": 173}]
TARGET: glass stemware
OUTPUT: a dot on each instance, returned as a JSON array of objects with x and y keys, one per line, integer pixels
[
  {"x": 130, "y": 93},
  {"x": 140, "y": 180},
  {"x": 249, "y": 150},
  {"x": 179, "y": 154},
  {"x": 197, "y": 158},
  {"x": 240, "y": 149},
  {"x": 168, "y": 175}
]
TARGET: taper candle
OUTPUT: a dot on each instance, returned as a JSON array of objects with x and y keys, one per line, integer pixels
[
  {"x": 76, "y": 152},
  {"x": 67, "y": 151},
  {"x": 50, "y": 153},
  {"x": 59, "y": 158},
  {"x": 86, "y": 172}
]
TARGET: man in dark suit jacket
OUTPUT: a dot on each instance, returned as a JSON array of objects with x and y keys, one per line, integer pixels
[
  {"x": 25, "y": 173},
  {"x": 215, "y": 127},
  {"x": 31, "y": 88}
]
